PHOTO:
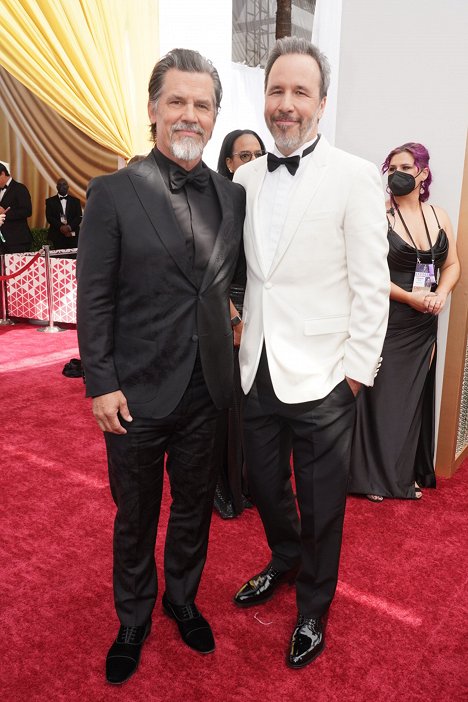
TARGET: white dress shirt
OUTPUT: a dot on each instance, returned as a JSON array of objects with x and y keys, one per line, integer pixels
[{"x": 273, "y": 203}]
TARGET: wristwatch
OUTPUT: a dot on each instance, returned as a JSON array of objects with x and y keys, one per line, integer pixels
[{"x": 235, "y": 321}]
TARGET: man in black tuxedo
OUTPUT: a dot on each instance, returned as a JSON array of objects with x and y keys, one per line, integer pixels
[
  {"x": 159, "y": 246},
  {"x": 63, "y": 213},
  {"x": 15, "y": 203}
]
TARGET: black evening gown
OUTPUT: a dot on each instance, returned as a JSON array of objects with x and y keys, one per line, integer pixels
[
  {"x": 394, "y": 437},
  {"x": 232, "y": 481}
]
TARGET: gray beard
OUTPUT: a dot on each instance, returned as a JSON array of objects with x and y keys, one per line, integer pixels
[
  {"x": 187, "y": 149},
  {"x": 291, "y": 143}
]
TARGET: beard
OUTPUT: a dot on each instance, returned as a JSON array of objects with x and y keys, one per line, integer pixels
[
  {"x": 187, "y": 148},
  {"x": 284, "y": 140}
]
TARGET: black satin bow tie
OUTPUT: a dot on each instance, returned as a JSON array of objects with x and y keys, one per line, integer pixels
[
  {"x": 198, "y": 178},
  {"x": 63, "y": 197},
  {"x": 5, "y": 187},
  {"x": 291, "y": 162}
]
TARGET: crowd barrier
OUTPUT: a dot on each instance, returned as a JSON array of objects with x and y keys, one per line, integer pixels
[{"x": 39, "y": 286}]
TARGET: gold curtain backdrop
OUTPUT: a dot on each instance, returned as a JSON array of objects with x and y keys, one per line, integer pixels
[
  {"x": 73, "y": 89},
  {"x": 54, "y": 146},
  {"x": 88, "y": 60},
  {"x": 23, "y": 168}
]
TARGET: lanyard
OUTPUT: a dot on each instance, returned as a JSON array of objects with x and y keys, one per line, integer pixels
[{"x": 412, "y": 240}]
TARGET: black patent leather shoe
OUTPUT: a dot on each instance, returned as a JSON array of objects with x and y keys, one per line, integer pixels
[
  {"x": 124, "y": 654},
  {"x": 223, "y": 506},
  {"x": 262, "y": 587},
  {"x": 307, "y": 642},
  {"x": 193, "y": 627}
]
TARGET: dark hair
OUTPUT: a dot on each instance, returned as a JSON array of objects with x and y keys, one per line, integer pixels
[
  {"x": 227, "y": 147},
  {"x": 182, "y": 60},
  {"x": 421, "y": 160},
  {"x": 4, "y": 169},
  {"x": 295, "y": 45}
]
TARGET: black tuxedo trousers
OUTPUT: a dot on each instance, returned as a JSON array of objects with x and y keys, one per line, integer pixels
[
  {"x": 319, "y": 434},
  {"x": 190, "y": 436}
]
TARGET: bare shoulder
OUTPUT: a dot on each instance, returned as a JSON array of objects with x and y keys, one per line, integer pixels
[{"x": 442, "y": 215}]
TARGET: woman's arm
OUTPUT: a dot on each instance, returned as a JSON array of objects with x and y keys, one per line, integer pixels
[{"x": 450, "y": 271}]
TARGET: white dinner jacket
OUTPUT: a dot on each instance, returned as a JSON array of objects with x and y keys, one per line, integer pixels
[{"x": 322, "y": 307}]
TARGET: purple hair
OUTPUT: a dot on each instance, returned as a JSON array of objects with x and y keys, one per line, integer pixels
[{"x": 421, "y": 160}]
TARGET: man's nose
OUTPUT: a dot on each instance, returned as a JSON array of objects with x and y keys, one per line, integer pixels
[
  {"x": 286, "y": 102},
  {"x": 189, "y": 114}
]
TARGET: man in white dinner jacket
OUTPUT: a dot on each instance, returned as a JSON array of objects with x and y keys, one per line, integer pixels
[{"x": 315, "y": 316}]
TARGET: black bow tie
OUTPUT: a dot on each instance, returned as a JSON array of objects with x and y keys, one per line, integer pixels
[
  {"x": 198, "y": 177},
  {"x": 63, "y": 197},
  {"x": 4, "y": 188},
  {"x": 291, "y": 162}
]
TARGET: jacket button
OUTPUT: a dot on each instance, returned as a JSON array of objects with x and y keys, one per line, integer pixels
[
  {"x": 195, "y": 337},
  {"x": 268, "y": 285}
]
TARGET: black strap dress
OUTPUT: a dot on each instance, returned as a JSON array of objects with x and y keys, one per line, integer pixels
[{"x": 394, "y": 438}]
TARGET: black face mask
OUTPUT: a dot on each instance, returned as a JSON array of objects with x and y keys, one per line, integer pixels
[{"x": 401, "y": 183}]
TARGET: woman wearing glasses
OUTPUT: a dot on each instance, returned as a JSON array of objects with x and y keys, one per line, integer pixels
[{"x": 238, "y": 147}]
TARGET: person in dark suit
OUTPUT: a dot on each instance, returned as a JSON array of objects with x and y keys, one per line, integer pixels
[
  {"x": 63, "y": 213},
  {"x": 15, "y": 203},
  {"x": 160, "y": 243}
]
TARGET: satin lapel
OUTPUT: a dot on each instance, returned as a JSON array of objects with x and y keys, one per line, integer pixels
[
  {"x": 152, "y": 193},
  {"x": 253, "y": 190},
  {"x": 224, "y": 236},
  {"x": 302, "y": 197}
]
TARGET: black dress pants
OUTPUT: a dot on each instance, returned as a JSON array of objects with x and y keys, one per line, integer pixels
[
  {"x": 319, "y": 434},
  {"x": 189, "y": 436}
]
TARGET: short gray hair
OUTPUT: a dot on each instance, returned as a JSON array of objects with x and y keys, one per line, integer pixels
[
  {"x": 295, "y": 45},
  {"x": 182, "y": 60}
]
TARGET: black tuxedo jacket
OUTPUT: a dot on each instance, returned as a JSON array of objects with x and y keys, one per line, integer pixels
[
  {"x": 15, "y": 228},
  {"x": 141, "y": 317},
  {"x": 73, "y": 214}
]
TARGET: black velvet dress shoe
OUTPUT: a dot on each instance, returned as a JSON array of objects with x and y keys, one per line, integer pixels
[
  {"x": 222, "y": 505},
  {"x": 194, "y": 629},
  {"x": 124, "y": 654},
  {"x": 262, "y": 586},
  {"x": 307, "y": 642}
]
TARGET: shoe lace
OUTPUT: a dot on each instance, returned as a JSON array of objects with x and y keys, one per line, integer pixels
[
  {"x": 188, "y": 611},
  {"x": 130, "y": 634}
]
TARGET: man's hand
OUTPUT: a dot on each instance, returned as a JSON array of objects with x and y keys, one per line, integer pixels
[
  {"x": 237, "y": 333},
  {"x": 355, "y": 385},
  {"x": 105, "y": 409},
  {"x": 65, "y": 229}
]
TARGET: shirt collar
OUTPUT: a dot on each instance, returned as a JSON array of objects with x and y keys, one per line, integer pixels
[{"x": 298, "y": 151}]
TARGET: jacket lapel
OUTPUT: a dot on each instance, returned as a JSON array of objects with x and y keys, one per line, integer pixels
[
  {"x": 256, "y": 179},
  {"x": 152, "y": 193},
  {"x": 301, "y": 198},
  {"x": 224, "y": 237}
]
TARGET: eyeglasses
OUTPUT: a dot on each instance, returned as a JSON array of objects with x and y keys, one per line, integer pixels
[{"x": 246, "y": 156}]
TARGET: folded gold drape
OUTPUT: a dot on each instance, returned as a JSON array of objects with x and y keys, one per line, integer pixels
[
  {"x": 23, "y": 168},
  {"x": 54, "y": 146},
  {"x": 89, "y": 60},
  {"x": 41, "y": 146}
]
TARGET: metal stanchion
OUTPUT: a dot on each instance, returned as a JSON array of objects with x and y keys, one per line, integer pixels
[
  {"x": 50, "y": 328},
  {"x": 4, "y": 321}
]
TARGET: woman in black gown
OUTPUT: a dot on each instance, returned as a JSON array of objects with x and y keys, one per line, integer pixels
[
  {"x": 238, "y": 147},
  {"x": 394, "y": 439}
]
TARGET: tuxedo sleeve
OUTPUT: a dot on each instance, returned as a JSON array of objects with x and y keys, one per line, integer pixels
[
  {"x": 21, "y": 206},
  {"x": 98, "y": 262},
  {"x": 74, "y": 218},
  {"x": 365, "y": 231},
  {"x": 52, "y": 214}
]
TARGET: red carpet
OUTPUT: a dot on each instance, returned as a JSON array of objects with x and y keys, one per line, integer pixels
[{"x": 397, "y": 628}]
